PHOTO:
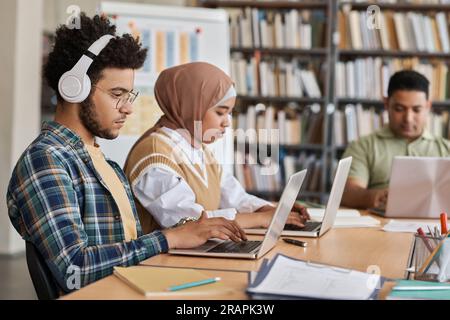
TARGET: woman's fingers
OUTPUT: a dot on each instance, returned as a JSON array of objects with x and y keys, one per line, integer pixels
[
  {"x": 293, "y": 218},
  {"x": 301, "y": 210}
]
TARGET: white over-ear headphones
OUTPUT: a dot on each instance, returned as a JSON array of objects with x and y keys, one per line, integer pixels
[{"x": 74, "y": 86}]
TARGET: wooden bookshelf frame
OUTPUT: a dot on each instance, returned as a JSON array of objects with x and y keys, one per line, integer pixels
[
  {"x": 319, "y": 52},
  {"x": 396, "y": 6},
  {"x": 307, "y": 4}
]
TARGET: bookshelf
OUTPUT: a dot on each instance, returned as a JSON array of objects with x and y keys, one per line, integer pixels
[
  {"x": 423, "y": 54},
  {"x": 430, "y": 57},
  {"x": 310, "y": 55}
]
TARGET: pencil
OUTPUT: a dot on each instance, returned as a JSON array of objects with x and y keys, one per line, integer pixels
[
  {"x": 430, "y": 259},
  {"x": 193, "y": 284}
]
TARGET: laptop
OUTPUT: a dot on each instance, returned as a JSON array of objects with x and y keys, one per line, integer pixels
[
  {"x": 314, "y": 229},
  {"x": 423, "y": 194},
  {"x": 253, "y": 249}
]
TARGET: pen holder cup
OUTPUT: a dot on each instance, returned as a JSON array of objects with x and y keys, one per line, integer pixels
[{"x": 427, "y": 268}]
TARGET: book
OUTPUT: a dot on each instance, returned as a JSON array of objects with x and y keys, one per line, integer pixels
[
  {"x": 293, "y": 29},
  {"x": 155, "y": 281},
  {"x": 368, "y": 78},
  {"x": 410, "y": 31},
  {"x": 275, "y": 77},
  {"x": 433, "y": 292}
]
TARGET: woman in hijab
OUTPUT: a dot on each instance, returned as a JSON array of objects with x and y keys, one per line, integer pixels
[{"x": 174, "y": 177}]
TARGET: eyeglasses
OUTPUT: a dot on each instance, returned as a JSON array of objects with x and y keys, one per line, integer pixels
[{"x": 127, "y": 97}]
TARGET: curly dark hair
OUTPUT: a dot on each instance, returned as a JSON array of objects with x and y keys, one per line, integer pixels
[{"x": 121, "y": 52}]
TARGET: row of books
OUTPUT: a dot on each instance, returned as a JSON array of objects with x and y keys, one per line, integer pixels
[
  {"x": 439, "y": 124},
  {"x": 389, "y": 30},
  {"x": 398, "y": 1},
  {"x": 276, "y": 77},
  {"x": 355, "y": 121},
  {"x": 272, "y": 177},
  {"x": 286, "y": 126},
  {"x": 368, "y": 78},
  {"x": 303, "y": 29}
]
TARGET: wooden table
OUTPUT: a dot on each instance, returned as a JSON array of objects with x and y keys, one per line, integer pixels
[{"x": 362, "y": 249}]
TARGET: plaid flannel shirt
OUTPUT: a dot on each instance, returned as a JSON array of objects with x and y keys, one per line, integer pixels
[{"x": 58, "y": 201}]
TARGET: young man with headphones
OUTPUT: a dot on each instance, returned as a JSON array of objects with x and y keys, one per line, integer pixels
[{"x": 74, "y": 205}]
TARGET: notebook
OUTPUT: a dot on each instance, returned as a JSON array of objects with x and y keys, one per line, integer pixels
[
  {"x": 288, "y": 277},
  {"x": 433, "y": 294},
  {"x": 155, "y": 281}
]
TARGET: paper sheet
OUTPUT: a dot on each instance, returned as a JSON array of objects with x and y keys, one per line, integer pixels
[
  {"x": 356, "y": 222},
  {"x": 409, "y": 225},
  {"x": 317, "y": 213},
  {"x": 289, "y": 277},
  {"x": 345, "y": 218}
]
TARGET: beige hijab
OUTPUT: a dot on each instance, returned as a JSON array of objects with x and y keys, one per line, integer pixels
[{"x": 184, "y": 93}]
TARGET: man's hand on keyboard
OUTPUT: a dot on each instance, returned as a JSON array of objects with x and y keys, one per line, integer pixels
[{"x": 195, "y": 233}]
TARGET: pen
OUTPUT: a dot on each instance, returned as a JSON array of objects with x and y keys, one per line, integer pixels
[
  {"x": 296, "y": 242},
  {"x": 425, "y": 240},
  {"x": 427, "y": 264},
  {"x": 444, "y": 223},
  {"x": 433, "y": 235},
  {"x": 193, "y": 284},
  {"x": 437, "y": 233}
]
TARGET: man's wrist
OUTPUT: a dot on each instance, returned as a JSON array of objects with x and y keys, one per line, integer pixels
[{"x": 170, "y": 238}]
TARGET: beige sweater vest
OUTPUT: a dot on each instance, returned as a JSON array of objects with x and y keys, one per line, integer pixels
[{"x": 158, "y": 150}]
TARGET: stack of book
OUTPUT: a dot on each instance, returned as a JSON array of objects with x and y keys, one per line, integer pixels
[
  {"x": 354, "y": 122},
  {"x": 252, "y": 27},
  {"x": 274, "y": 77},
  {"x": 410, "y": 31},
  {"x": 272, "y": 176},
  {"x": 439, "y": 124},
  {"x": 290, "y": 125},
  {"x": 368, "y": 78}
]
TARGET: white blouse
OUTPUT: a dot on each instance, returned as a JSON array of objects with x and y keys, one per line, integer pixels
[{"x": 169, "y": 197}]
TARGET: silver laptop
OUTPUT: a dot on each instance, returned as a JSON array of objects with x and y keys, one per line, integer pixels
[
  {"x": 423, "y": 194},
  {"x": 314, "y": 228},
  {"x": 253, "y": 249}
]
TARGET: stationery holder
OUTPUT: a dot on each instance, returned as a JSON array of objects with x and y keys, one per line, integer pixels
[{"x": 430, "y": 265}]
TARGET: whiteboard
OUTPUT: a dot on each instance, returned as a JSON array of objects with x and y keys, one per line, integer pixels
[{"x": 173, "y": 35}]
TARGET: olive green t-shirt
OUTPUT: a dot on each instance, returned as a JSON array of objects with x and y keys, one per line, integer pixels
[{"x": 373, "y": 154}]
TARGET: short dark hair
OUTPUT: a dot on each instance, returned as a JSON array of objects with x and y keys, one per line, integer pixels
[
  {"x": 122, "y": 52},
  {"x": 408, "y": 80}
]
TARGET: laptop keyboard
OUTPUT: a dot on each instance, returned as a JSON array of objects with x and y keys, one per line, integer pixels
[
  {"x": 235, "y": 247},
  {"x": 309, "y": 226}
]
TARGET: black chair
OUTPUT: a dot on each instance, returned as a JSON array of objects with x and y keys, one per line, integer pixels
[{"x": 43, "y": 280}]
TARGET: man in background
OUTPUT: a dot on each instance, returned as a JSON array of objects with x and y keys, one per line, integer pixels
[{"x": 408, "y": 105}]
